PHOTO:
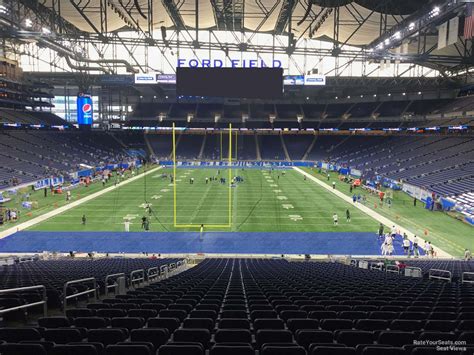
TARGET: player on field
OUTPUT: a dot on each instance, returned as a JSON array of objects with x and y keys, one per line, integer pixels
[
  {"x": 381, "y": 228},
  {"x": 406, "y": 244},
  {"x": 335, "y": 219},
  {"x": 348, "y": 215},
  {"x": 416, "y": 251}
]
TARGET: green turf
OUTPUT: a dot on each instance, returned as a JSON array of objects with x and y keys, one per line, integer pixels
[
  {"x": 256, "y": 205},
  {"x": 442, "y": 230},
  {"x": 48, "y": 203}
]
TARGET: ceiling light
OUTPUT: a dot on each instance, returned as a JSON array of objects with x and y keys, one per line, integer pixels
[{"x": 28, "y": 23}]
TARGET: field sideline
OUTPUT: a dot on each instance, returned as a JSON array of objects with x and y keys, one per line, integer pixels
[{"x": 445, "y": 232}]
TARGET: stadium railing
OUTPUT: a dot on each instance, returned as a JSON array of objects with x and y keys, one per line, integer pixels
[
  {"x": 467, "y": 277},
  {"x": 43, "y": 301},
  {"x": 114, "y": 285},
  {"x": 93, "y": 290},
  {"x": 440, "y": 274}
]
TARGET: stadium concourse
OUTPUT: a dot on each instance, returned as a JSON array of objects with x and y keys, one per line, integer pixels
[{"x": 245, "y": 177}]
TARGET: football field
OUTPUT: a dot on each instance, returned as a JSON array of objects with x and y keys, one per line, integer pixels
[{"x": 265, "y": 201}]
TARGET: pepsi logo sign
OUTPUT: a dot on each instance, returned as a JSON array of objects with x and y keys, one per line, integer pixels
[{"x": 86, "y": 108}]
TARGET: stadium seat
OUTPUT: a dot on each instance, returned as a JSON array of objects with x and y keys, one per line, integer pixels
[
  {"x": 168, "y": 323},
  {"x": 14, "y": 335},
  {"x": 128, "y": 323},
  {"x": 234, "y": 323},
  {"x": 181, "y": 349},
  {"x": 90, "y": 322},
  {"x": 372, "y": 324},
  {"x": 53, "y": 322},
  {"x": 353, "y": 337},
  {"x": 63, "y": 335},
  {"x": 283, "y": 350},
  {"x": 233, "y": 336},
  {"x": 332, "y": 350},
  {"x": 334, "y": 324},
  {"x": 268, "y": 323},
  {"x": 295, "y": 324},
  {"x": 22, "y": 349},
  {"x": 156, "y": 337},
  {"x": 264, "y": 336},
  {"x": 75, "y": 349},
  {"x": 135, "y": 349},
  {"x": 202, "y": 336},
  {"x": 233, "y": 349},
  {"x": 396, "y": 338},
  {"x": 106, "y": 336}
]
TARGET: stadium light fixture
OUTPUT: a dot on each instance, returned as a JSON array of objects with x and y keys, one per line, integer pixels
[
  {"x": 419, "y": 92},
  {"x": 166, "y": 96},
  {"x": 348, "y": 96},
  {"x": 389, "y": 94},
  {"x": 411, "y": 26},
  {"x": 154, "y": 96},
  {"x": 361, "y": 95},
  {"x": 307, "y": 98},
  {"x": 141, "y": 97},
  {"x": 336, "y": 97},
  {"x": 404, "y": 93}
]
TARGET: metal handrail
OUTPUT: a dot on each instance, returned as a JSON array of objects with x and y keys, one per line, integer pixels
[
  {"x": 468, "y": 281},
  {"x": 138, "y": 279},
  {"x": 448, "y": 274},
  {"x": 75, "y": 295},
  {"x": 392, "y": 268},
  {"x": 152, "y": 274},
  {"x": 43, "y": 302},
  {"x": 114, "y": 285}
]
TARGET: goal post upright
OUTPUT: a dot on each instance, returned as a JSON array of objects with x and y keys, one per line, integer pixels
[
  {"x": 230, "y": 175},
  {"x": 174, "y": 176}
]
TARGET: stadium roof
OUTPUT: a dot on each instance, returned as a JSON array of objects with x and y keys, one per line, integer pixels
[
  {"x": 360, "y": 31},
  {"x": 360, "y": 19}
]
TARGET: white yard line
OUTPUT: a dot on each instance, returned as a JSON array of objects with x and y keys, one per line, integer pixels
[
  {"x": 67, "y": 207},
  {"x": 378, "y": 217}
]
